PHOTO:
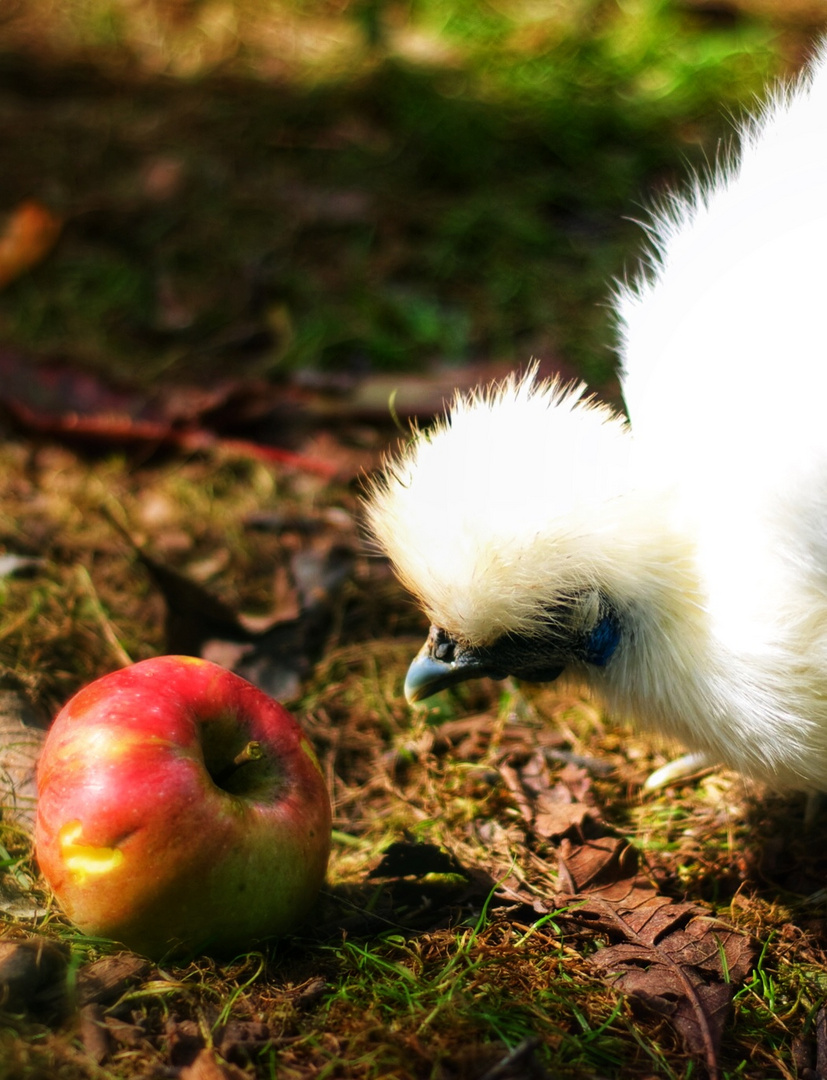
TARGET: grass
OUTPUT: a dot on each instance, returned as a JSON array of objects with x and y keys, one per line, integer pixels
[{"x": 388, "y": 189}]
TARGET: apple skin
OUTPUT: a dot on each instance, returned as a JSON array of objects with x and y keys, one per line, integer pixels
[{"x": 138, "y": 841}]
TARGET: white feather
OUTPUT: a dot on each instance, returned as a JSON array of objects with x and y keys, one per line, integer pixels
[{"x": 705, "y": 518}]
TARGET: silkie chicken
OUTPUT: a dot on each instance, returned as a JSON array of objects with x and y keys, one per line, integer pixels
[{"x": 676, "y": 562}]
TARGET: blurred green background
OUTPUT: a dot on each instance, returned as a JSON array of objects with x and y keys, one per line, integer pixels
[{"x": 255, "y": 187}]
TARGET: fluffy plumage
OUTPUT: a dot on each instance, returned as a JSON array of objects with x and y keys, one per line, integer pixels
[{"x": 678, "y": 562}]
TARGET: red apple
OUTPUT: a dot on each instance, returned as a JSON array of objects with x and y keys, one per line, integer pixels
[{"x": 180, "y": 808}]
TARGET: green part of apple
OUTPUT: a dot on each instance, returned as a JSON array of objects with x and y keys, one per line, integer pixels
[{"x": 180, "y": 809}]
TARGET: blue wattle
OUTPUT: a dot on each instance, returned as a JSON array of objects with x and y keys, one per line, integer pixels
[{"x": 599, "y": 646}]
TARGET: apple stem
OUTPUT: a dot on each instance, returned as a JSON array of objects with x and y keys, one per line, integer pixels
[{"x": 253, "y": 751}]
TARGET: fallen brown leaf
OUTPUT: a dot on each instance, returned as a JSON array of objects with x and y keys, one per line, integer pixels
[
  {"x": 69, "y": 403},
  {"x": 207, "y": 1067},
  {"x": 240, "y": 1041},
  {"x": 676, "y": 961},
  {"x": 552, "y": 807},
  {"x": 185, "y": 1042},
  {"x": 32, "y": 975},
  {"x": 30, "y": 233},
  {"x": 669, "y": 957},
  {"x": 105, "y": 980},
  {"x": 94, "y": 1033},
  {"x": 608, "y": 863},
  {"x": 21, "y": 739}
]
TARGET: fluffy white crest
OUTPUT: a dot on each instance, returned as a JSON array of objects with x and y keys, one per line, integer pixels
[{"x": 492, "y": 514}]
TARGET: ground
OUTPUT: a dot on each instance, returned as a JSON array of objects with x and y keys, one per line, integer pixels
[{"x": 259, "y": 239}]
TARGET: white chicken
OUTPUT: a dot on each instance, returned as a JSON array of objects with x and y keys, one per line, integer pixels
[{"x": 677, "y": 562}]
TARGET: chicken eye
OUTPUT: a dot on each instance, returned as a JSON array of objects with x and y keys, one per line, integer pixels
[{"x": 444, "y": 647}]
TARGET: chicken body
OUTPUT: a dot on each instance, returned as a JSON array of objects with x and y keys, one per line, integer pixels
[{"x": 677, "y": 562}]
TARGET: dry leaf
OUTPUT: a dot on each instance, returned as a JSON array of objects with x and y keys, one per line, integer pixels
[
  {"x": 240, "y": 1041},
  {"x": 94, "y": 1034},
  {"x": 207, "y": 1067},
  {"x": 32, "y": 975},
  {"x": 552, "y": 809},
  {"x": 21, "y": 740},
  {"x": 107, "y": 979},
  {"x": 31, "y": 232},
  {"x": 608, "y": 863},
  {"x": 67, "y": 402},
  {"x": 678, "y": 962},
  {"x": 670, "y": 957}
]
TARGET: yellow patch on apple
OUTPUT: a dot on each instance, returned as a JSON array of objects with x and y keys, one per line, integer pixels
[{"x": 86, "y": 860}]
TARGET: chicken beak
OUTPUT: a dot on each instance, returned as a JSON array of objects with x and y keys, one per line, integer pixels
[{"x": 427, "y": 674}]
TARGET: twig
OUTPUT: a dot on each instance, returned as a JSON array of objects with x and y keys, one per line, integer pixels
[{"x": 514, "y": 1062}]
